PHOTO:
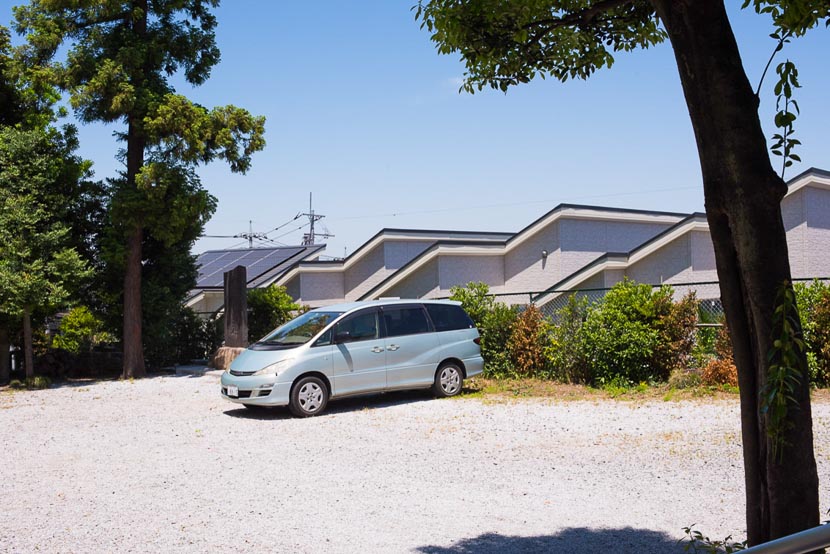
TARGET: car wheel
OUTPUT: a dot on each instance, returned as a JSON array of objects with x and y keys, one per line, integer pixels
[
  {"x": 448, "y": 380},
  {"x": 308, "y": 397}
]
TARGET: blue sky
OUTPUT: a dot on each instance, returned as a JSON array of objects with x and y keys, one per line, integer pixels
[{"x": 364, "y": 113}]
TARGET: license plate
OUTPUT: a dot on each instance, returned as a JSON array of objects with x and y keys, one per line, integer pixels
[{"x": 233, "y": 391}]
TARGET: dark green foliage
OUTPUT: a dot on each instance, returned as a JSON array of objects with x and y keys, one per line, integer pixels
[
  {"x": 566, "y": 352},
  {"x": 638, "y": 334},
  {"x": 268, "y": 308},
  {"x": 494, "y": 321},
  {"x": 80, "y": 330},
  {"x": 496, "y": 330},
  {"x": 475, "y": 299},
  {"x": 814, "y": 307}
]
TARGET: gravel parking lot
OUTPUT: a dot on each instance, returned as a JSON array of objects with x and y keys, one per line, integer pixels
[{"x": 165, "y": 465}]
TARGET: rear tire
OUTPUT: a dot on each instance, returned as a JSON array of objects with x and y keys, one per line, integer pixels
[
  {"x": 309, "y": 397},
  {"x": 448, "y": 380}
]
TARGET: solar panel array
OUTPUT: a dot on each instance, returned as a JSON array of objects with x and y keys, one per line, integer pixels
[{"x": 214, "y": 263}]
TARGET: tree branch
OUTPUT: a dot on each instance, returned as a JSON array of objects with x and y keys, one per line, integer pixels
[{"x": 581, "y": 17}]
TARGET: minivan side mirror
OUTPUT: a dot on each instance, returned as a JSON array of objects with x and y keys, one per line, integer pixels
[{"x": 342, "y": 336}]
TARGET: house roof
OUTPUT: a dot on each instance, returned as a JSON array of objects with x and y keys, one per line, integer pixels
[
  {"x": 485, "y": 248},
  {"x": 261, "y": 264}
]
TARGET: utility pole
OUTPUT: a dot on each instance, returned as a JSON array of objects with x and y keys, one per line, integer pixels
[
  {"x": 250, "y": 235},
  {"x": 310, "y": 238}
]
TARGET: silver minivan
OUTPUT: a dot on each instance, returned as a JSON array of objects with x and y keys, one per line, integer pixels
[{"x": 357, "y": 348}]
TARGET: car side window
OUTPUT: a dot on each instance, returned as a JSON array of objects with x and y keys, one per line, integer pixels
[
  {"x": 448, "y": 317},
  {"x": 361, "y": 326},
  {"x": 405, "y": 321}
]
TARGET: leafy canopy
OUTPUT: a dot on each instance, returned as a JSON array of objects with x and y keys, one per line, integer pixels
[{"x": 38, "y": 266}]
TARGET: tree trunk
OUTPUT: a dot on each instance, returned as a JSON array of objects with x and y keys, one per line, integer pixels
[
  {"x": 133, "y": 344},
  {"x": 28, "y": 355},
  {"x": 743, "y": 196},
  {"x": 5, "y": 359}
]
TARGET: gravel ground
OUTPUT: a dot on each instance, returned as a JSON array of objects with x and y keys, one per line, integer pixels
[{"x": 165, "y": 465}]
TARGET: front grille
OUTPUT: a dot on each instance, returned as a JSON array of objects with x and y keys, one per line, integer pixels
[
  {"x": 240, "y": 373},
  {"x": 265, "y": 392},
  {"x": 244, "y": 394}
]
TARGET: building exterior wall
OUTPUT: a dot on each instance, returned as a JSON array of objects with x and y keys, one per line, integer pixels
[
  {"x": 321, "y": 289},
  {"x": 817, "y": 251},
  {"x": 795, "y": 223},
  {"x": 292, "y": 287},
  {"x": 671, "y": 263},
  {"x": 460, "y": 270},
  {"x": 398, "y": 253},
  {"x": 524, "y": 266},
  {"x": 423, "y": 283},
  {"x": 365, "y": 273}
]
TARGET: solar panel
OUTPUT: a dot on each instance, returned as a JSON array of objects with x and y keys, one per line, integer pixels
[{"x": 214, "y": 264}]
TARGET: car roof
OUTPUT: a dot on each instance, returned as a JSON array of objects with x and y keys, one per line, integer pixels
[{"x": 351, "y": 306}]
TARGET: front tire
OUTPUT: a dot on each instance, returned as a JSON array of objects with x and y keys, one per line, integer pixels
[
  {"x": 309, "y": 397},
  {"x": 448, "y": 380}
]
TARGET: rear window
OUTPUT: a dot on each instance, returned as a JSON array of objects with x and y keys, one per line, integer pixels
[
  {"x": 448, "y": 317},
  {"x": 405, "y": 321}
]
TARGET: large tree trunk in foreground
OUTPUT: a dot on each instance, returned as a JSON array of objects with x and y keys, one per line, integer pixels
[{"x": 743, "y": 196}]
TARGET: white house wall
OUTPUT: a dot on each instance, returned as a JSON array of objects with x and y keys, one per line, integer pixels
[
  {"x": 423, "y": 283},
  {"x": 460, "y": 270},
  {"x": 671, "y": 263},
  {"x": 321, "y": 289},
  {"x": 795, "y": 223},
  {"x": 570, "y": 244},
  {"x": 398, "y": 253},
  {"x": 817, "y": 208},
  {"x": 524, "y": 267}
]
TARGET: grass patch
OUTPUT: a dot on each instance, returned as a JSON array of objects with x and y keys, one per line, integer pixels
[
  {"x": 510, "y": 389},
  {"x": 31, "y": 383}
]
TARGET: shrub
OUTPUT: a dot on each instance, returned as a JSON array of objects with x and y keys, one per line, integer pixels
[
  {"x": 619, "y": 336},
  {"x": 676, "y": 328},
  {"x": 268, "y": 308},
  {"x": 721, "y": 370},
  {"x": 475, "y": 300},
  {"x": 496, "y": 329},
  {"x": 820, "y": 342},
  {"x": 684, "y": 378},
  {"x": 526, "y": 345},
  {"x": 80, "y": 330},
  {"x": 566, "y": 350}
]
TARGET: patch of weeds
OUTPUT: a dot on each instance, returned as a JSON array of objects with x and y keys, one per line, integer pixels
[
  {"x": 37, "y": 382},
  {"x": 616, "y": 387},
  {"x": 695, "y": 541},
  {"x": 670, "y": 394}
]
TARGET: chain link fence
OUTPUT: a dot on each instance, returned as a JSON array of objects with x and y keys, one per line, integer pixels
[{"x": 551, "y": 302}]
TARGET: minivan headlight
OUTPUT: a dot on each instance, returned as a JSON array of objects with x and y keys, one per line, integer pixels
[{"x": 274, "y": 368}]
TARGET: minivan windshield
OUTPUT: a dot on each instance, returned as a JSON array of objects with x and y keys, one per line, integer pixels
[{"x": 299, "y": 330}]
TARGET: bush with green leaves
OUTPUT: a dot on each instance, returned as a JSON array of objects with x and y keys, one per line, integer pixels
[
  {"x": 268, "y": 308},
  {"x": 637, "y": 333},
  {"x": 80, "y": 330},
  {"x": 566, "y": 350},
  {"x": 814, "y": 309},
  {"x": 494, "y": 321},
  {"x": 476, "y": 300}
]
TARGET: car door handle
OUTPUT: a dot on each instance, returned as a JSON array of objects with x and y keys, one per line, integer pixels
[
  {"x": 377, "y": 349},
  {"x": 392, "y": 347}
]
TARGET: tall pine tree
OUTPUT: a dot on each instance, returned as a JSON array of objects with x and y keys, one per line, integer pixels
[{"x": 119, "y": 58}]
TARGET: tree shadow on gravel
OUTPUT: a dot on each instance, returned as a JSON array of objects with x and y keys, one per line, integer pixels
[
  {"x": 575, "y": 540},
  {"x": 338, "y": 406}
]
